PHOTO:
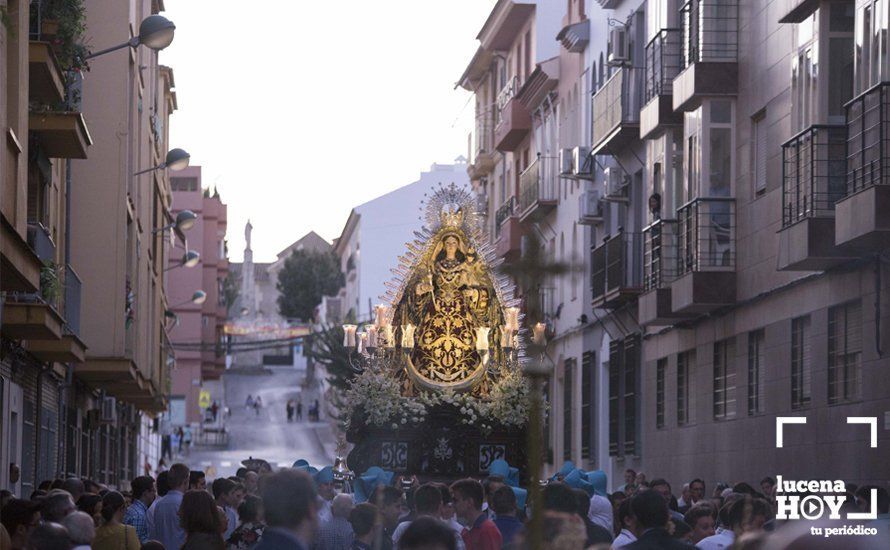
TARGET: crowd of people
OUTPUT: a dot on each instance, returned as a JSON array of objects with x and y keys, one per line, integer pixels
[{"x": 301, "y": 508}]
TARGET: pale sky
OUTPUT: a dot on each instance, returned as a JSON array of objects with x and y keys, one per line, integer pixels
[{"x": 299, "y": 110}]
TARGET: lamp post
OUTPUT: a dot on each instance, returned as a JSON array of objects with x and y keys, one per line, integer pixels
[
  {"x": 155, "y": 32},
  {"x": 189, "y": 259},
  {"x": 176, "y": 160},
  {"x": 198, "y": 298},
  {"x": 184, "y": 221}
]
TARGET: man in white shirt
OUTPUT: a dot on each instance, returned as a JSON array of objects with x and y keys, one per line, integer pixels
[{"x": 741, "y": 515}]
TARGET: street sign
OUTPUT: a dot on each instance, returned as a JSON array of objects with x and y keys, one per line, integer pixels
[{"x": 204, "y": 399}]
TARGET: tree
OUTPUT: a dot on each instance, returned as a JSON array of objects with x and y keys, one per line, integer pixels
[{"x": 307, "y": 276}]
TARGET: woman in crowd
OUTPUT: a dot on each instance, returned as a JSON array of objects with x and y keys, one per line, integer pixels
[
  {"x": 113, "y": 534},
  {"x": 201, "y": 521},
  {"x": 92, "y": 505},
  {"x": 250, "y": 527}
]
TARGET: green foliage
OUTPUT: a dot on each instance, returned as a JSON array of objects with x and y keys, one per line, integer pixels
[
  {"x": 230, "y": 290},
  {"x": 71, "y": 17},
  {"x": 327, "y": 349},
  {"x": 50, "y": 287},
  {"x": 307, "y": 276}
]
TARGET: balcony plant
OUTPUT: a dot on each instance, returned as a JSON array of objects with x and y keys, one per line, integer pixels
[
  {"x": 50, "y": 286},
  {"x": 65, "y": 22}
]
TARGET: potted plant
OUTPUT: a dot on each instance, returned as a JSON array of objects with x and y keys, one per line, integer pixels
[{"x": 50, "y": 287}]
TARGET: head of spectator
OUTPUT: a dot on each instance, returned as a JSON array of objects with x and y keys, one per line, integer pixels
[
  {"x": 163, "y": 483},
  {"x": 491, "y": 484},
  {"x": 198, "y": 513},
  {"x": 250, "y": 482},
  {"x": 81, "y": 529},
  {"x": 152, "y": 545},
  {"x": 746, "y": 514},
  {"x": 143, "y": 488},
  {"x": 640, "y": 478},
  {"x": 251, "y": 510},
  {"x": 650, "y": 509},
  {"x": 289, "y": 500},
  {"x": 745, "y": 489},
  {"x": 223, "y": 489},
  {"x": 92, "y": 505},
  {"x": 74, "y": 486},
  {"x": 389, "y": 501},
  {"x": 46, "y": 485},
  {"x": 624, "y": 518},
  {"x": 342, "y": 506},
  {"x": 447, "y": 501},
  {"x": 197, "y": 480},
  {"x": 468, "y": 495},
  {"x": 562, "y": 530},
  {"x": 617, "y": 498},
  {"x": 239, "y": 473},
  {"x": 701, "y": 518},
  {"x": 503, "y": 502},
  {"x": 685, "y": 494},
  {"x": 238, "y": 493},
  {"x": 630, "y": 476},
  {"x": 113, "y": 507},
  {"x": 682, "y": 531},
  {"x": 5, "y": 496},
  {"x": 559, "y": 497},
  {"x": 362, "y": 518},
  {"x": 178, "y": 478},
  {"x": 663, "y": 488},
  {"x": 57, "y": 504},
  {"x": 428, "y": 501},
  {"x": 20, "y": 517},
  {"x": 49, "y": 535},
  {"x": 863, "y": 499},
  {"x": 768, "y": 486},
  {"x": 427, "y": 533},
  {"x": 90, "y": 486},
  {"x": 719, "y": 488},
  {"x": 696, "y": 490}
]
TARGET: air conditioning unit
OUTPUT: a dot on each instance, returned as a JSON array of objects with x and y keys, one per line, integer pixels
[
  {"x": 131, "y": 415},
  {"x": 616, "y": 185},
  {"x": 108, "y": 410},
  {"x": 582, "y": 162},
  {"x": 565, "y": 162},
  {"x": 590, "y": 208},
  {"x": 619, "y": 52}
]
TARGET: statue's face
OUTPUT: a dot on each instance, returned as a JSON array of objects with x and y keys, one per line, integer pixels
[{"x": 451, "y": 245}]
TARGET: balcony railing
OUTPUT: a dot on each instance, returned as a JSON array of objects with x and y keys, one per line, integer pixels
[
  {"x": 710, "y": 31},
  {"x": 868, "y": 139},
  {"x": 659, "y": 254},
  {"x": 706, "y": 235},
  {"x": 663, "y": 60},
  {"x": 510, "y": 89},
  {"x": 73, "y": 286},
  {"x": 814, "y": 168},
  {"x": 617, "y": 102},
  {"x": 41, "y": 242},
  {"x": 615, "y": 266},
  {"x": 484, "y": 135},
  {"x": 505, "y": 211},
  {"x": 538, "y": 182}
]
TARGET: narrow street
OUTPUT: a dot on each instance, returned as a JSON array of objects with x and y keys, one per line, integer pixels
[{"x": 266, "y": 435}]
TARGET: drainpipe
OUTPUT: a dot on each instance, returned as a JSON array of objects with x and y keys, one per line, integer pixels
[{"x": 878, "y": 306}]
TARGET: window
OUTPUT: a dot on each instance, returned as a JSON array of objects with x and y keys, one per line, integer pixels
[
  {"x": 39, "y": 188},
  {"x": 755, "y": 372},
  {"x": 758, "y": 152},
  {"x": 724, "y": 379},
  {"x": 660, "y": 369},
  {"x": 844, "y": 352},
  {"x": 624, "y": 364},
  {"x": 184, "y": 184},
  {"x": 587, "y": 366},
  {"x": 708, "y": 134},
  {"x": 685, "y": 368},
  {"x": 567, "y": 389},
  {"x": 801, "y": 365}
]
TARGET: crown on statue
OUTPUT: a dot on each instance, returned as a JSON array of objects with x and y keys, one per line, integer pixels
[{"x": 451, "y": 216}]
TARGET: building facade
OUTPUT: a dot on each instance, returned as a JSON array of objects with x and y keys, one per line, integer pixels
[
  {"x": 707, "y": 173},
  {"x": 79, "y": 393},
  {"x": 198, "y": 331}
]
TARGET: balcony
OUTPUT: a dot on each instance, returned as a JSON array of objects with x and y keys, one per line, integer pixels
[
  {"x": 616, "y": 111},
  {"x": 29, "y": 317},
  {"x": 861, "y": 217},
  {"x": 616, "y": 274},
  {"x": 663, "y": 60},
  {"x": 710, "y": 52},
  {"x": 61, "y": 134},
  {"x": 46, "y": 84},
  {"x": 40, "y": 242},
  {"x": 538, "y": 192},
  {"x": 514, "y": 120},
  {"x": 73, "y": 287},
  {"x": 508, "y": 231},
  {"x": 483, "y": 147},
  {"x": 706, "y": 278},
  {"x": 660, "y": 248},
  {"x": 814, "y": 167}
]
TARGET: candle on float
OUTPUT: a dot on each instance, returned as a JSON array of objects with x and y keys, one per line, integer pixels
[
  {"x": 372, "y": 336},
  {"x": 506, "y": 338},
  {"x": 482, "y": 338},
  {"x": 408, "y": 336},
  {"x": 380, "y": 310},
  {"x": 362, "y": 342},
  {"x": 539, "y": 339},
  {"x": 348, "y": 336},
  {"x": 389, "y": 340},
  {"x": 511, "y": 318}
]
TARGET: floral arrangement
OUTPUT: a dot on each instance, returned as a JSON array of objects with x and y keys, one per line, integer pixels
[{"x": 374, "y": 398}]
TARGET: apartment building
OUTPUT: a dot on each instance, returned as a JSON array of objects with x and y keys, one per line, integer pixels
[{"x": 198, "y": 263}]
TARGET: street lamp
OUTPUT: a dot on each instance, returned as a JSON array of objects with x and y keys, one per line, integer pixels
[
  {"x": 198, "y": 298},
  {"x": 176, "y": 160},
  {"x": 189, "y": 259},
  {"x": 155, "y": 31},
  {"x": 185, "y": 220}
]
